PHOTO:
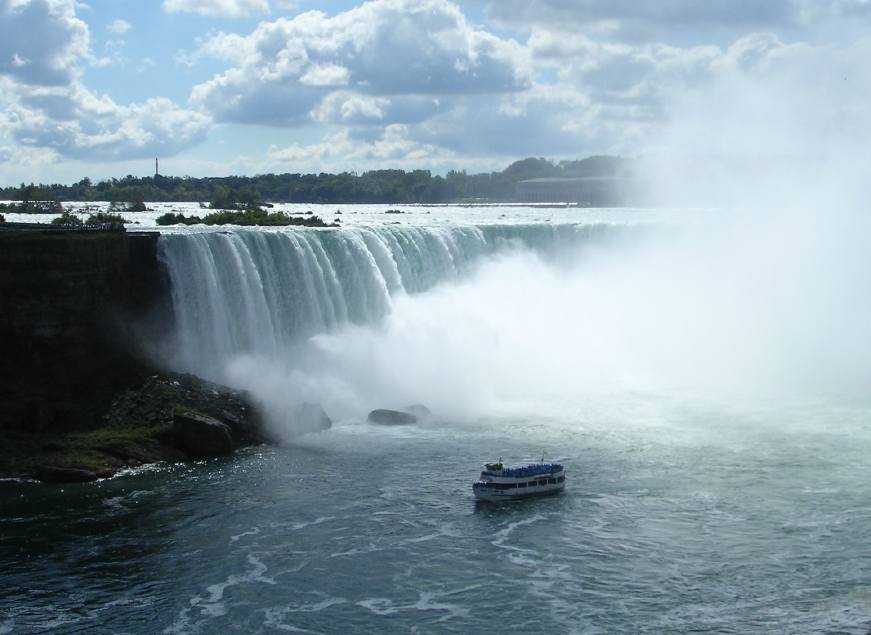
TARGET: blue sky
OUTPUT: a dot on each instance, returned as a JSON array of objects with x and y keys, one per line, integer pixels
[{"x": 216, "y": 87}]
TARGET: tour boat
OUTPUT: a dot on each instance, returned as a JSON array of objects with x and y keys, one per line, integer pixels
[{"x": 498, "y": 482}]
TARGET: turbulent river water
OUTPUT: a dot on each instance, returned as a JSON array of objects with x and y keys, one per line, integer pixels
[{"x": 694, "y": 504}]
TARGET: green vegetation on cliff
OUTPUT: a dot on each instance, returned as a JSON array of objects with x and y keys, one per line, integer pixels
[{"x": 375, "y": 186}]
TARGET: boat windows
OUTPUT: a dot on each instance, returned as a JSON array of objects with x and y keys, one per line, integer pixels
[
  {"x": 521, "y": 485},
  {"x": 552, "y": 481},
  {"x": 560, "y": 479}
]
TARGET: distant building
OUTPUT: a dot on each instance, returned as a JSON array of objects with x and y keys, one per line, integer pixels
[{"x": 588, "y": 191}]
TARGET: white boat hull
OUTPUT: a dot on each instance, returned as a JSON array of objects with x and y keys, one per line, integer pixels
[{"x": 490, "y": 494}]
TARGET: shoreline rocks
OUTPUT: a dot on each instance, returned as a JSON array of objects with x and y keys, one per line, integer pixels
[
  {"x": 169, "y": 418},
  {"x": 51, "y": 474},
  {"x": 201, "y": 436}
]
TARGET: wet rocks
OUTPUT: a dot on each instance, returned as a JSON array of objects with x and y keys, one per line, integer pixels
[
  {"x": 310, "y": 417},
  {"x": 202, "y": 436},
  {"x": 391, "y": 417}
]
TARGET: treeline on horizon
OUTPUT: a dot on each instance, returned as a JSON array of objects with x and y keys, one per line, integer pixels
[{"x": 376, "y": 186}]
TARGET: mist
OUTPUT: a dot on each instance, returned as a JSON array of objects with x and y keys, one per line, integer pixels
[{"x": 686, "y": 313}]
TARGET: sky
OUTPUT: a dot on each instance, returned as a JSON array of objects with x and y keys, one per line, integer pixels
[{"x": 99, "y": 88}]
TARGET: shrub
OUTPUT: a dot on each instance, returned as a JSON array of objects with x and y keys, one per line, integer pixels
[
  {"x": 177, "y": 219},
  {"x": 248, "y": 217},
  {"x": 119, "y": 207},
  {"x": 67, "y": 220},
  {"x": 261, "y": 217},
  {"x": 105, "y": 218},
  {"x": 34, "y": 207}
]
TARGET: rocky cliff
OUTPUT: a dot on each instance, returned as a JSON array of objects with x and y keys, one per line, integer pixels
[{"x": 72, "y": 305}]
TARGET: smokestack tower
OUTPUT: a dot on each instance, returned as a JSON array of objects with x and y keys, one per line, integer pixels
[{"x": 156, "y": 168}]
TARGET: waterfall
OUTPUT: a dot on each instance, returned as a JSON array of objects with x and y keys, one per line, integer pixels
[{"x": 261, "y": 291}]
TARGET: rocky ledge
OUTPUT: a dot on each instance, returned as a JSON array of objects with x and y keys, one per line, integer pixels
[{"x": 169, "y": 418}]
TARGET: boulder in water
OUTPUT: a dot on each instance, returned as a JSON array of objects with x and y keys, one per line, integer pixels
[
  {"x": 418, "y": 410},
  {"x": 202, "y": 436},
  {"x": 391, "y": 417},
  {"x": 310, "y": 417}
]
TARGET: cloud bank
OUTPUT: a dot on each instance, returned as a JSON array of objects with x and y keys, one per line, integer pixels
[
  {"x": 554, "y": 78},
  {"x": 44, "y": 50}
]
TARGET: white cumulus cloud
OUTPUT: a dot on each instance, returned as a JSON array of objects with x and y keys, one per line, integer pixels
[
  {"x": 46, "y": 107},
  {"x": 217, "y": 8},
  {"x": 41, "y": 41},
  {"x": 286, "y": 67},
  {"x": 80, "y": 124}
]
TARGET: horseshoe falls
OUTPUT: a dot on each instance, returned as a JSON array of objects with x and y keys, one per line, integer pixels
[{"x": 287, "y": 300}]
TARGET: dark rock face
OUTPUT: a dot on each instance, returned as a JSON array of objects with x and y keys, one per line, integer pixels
[
  {"x": 201, "y": 436},
  {"x": 76, "y": 401},
  {"x": 310, "y": 417},
  {"x": 391, "y": 417},
  {"x": 68, "y": 303}
]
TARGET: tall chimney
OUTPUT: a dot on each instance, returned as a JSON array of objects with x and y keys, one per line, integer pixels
[{"x": 156, "y": 169}]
